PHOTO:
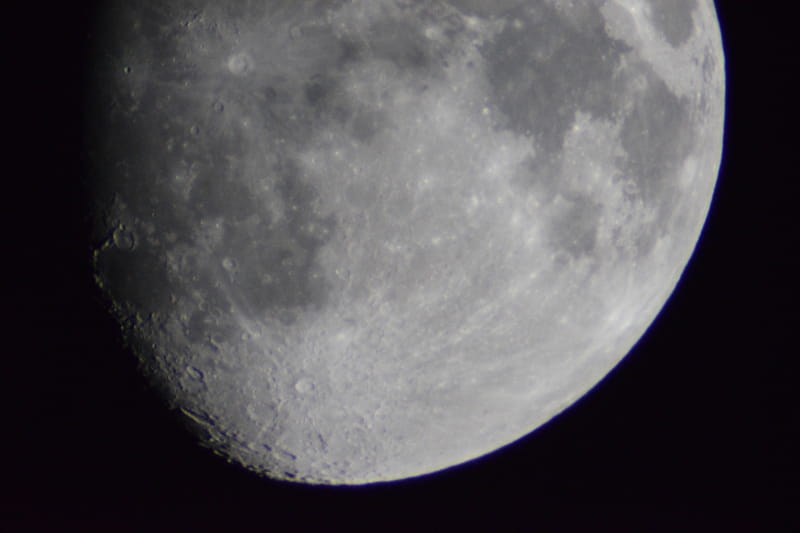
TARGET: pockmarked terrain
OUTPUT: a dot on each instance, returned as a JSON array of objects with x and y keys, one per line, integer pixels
[{"x": 357, "y": 241}]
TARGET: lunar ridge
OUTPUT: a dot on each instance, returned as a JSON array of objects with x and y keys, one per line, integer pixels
[{"x": 360, "y": 241}]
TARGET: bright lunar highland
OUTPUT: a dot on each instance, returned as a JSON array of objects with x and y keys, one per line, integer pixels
[{"x": 363, "y": 240}]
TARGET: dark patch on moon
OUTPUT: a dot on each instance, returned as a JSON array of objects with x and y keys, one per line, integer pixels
[
  {"x": 272, "y": 267},
  {"x": 205, "y": 325},
  {"x": 319, "y": 91},
  {"x": 270, "y": 94},
  {"x": 135, "y": 277},
  {"x": 323, "y": 103},
  {"x": 544, "y": 72},
  {"x": 574, "y": 230},
  {"x": 350, "y": 52},
  {"x": 657, "y": 136},
  {"x": 482, "y": 8},
  {"x": 400, "y": 43},
  {"x": 214, "y": 195},
  {"x": 366, "y": 124},
  {"x": 673, "y": 19},
  {"x": 547, "y": 69}
]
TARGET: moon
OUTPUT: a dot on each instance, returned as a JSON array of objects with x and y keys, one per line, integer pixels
[{"x": 354, "y": 241}]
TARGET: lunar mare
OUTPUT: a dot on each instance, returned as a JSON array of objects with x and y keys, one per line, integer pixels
[{"x": 357, "y": 241}]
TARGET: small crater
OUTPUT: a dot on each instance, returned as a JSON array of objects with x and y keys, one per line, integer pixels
[
  {"x": 229, "y": 264},
  {"x": 240, "y": 64},
  {"x": 194, "y": 130},
  {"x": 126, "y": 70},
  {"x": 123, "y": 239},
  {"x": 295, "y": 32},
  {"x": 304, "y": 386},
  {"x": 194, "y": 373},
  {"x": 218, "y": 106}
]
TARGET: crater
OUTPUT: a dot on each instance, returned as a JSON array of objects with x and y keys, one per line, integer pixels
[
  {"x": 123, "y": 238},
  {"x": 304, "y": 385},
  {"x": 240, "y": 64}
]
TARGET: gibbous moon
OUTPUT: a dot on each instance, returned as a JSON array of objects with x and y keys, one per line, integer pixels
[{"x": 363, "y": 240}]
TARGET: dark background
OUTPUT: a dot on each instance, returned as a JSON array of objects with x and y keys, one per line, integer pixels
[{"x": 697, "y": 430}]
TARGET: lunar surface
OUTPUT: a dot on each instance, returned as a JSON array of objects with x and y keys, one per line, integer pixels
[{"x": 363, "y": 240}]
